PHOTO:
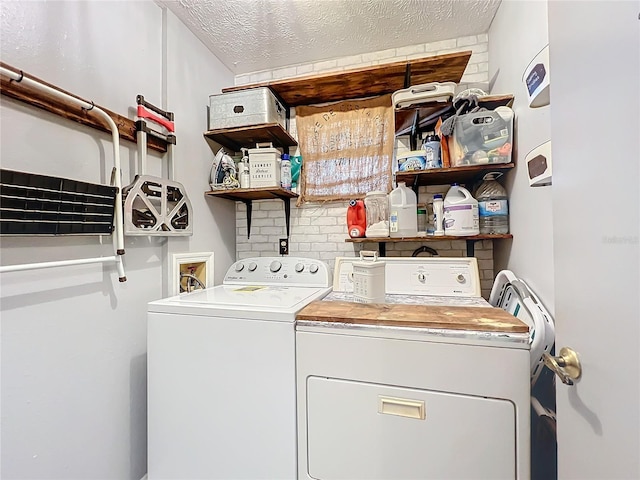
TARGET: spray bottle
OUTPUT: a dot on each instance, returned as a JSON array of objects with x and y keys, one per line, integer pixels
[{"x": 243, "y": 170}]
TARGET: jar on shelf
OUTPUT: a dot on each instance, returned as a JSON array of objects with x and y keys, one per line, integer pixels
[
  {"x": 422, "y": 218},
  {"x": 377, "y": 211}
]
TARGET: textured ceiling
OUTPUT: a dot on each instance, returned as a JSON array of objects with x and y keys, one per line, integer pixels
[{"x": 253, "y": 35}]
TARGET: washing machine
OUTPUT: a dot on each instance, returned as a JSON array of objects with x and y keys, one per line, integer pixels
[
  {"x": 221, "y": 373},
  {"x": 433, "y": 384}
]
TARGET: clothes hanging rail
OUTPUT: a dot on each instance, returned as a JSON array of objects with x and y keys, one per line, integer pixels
[
  {"x": 118, "y": 240},
  {"x": 36, "y": 98}
]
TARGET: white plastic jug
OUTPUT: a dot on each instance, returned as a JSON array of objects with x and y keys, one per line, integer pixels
[
  {"x": 460, "y": 212},
  {"x": 403, "y": 212}
]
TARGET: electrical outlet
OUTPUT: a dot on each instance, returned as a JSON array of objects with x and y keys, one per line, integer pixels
[{"x": 284, "y": 246}]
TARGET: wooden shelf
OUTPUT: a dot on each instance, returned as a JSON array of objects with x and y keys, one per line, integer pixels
[
  {"x": 247, "y": 137},
  {"x": 444, "y": 176},
  {"x": 429, "y": 238},
  {"x": 429, "y": 112},
  {"x": 247, "y": 194},
  {"x": 470, "y": 240},
  {"x": 366, "y": 82}
]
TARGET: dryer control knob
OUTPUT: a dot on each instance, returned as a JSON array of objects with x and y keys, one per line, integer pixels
[
  {"x": 313, "y": 268},
  {"x": 275, "y": 266},
  {"x": 253, "y": 266},
  {"x": 299, "y": 267},
  {"x": 239, "y": 267},
  {"x": 461, "y": 278},
  {"x": 421, "y": 277}
]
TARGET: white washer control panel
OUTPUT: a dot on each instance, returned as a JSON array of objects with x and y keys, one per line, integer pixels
[
  {"x": 442, "y": 276},
  {"x": 293, "y": 271}
]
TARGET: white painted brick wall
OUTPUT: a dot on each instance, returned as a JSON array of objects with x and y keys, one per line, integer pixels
[
  {"x": 381, "y": 55},
  {"x": 410, "y": 50},
  {"x": 319, "y": 230},
  {"x": 325, "y": 66},
  {"x": 478, "y": 44},
  {"x": 349, "y": 62}
]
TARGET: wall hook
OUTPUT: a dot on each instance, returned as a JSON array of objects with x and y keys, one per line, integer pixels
[{"x": 19, "y": 79}]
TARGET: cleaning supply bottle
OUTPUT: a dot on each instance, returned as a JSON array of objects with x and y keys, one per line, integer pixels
[
  {"x": 243, "y": 170},
  {"x": 285, "y": 172},
  {"x": 403, "y": 212},
  {"x": 493, "y": 206},
  {"x": 356, "y": 219},
  {"x": 431, "y": 147},
  {"x": 438, "y": 214},
  {"x": 460, "y": 212}
]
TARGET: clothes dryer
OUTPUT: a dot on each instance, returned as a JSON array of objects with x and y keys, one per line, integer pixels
[{"x": 378, "y": 401}]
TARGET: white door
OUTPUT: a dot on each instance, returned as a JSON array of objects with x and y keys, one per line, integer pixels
[{"x": 595, "y": 104}]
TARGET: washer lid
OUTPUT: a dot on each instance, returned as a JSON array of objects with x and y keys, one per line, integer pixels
[{"x": 266, "y": 302}]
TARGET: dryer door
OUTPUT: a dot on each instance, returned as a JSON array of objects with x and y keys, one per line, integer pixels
[{"x": 367, "y": 431}]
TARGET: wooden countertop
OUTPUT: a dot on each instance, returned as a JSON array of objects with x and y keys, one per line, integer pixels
[{"x": 479, "y": 319}]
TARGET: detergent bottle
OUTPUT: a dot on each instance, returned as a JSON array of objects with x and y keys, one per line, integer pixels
[
  {"x": 460, "y": 212},
  {"x": 356, "y": 219},
  {"x": 403, "y": 212}
]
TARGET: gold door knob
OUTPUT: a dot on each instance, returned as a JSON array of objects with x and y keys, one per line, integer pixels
[{"x": 566, "y": 365}]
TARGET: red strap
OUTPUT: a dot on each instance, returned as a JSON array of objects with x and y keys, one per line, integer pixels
[{"x": 144, "y": 113}]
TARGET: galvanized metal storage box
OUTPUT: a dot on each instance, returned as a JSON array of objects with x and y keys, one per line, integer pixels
[{"x": 244, "y": 108}]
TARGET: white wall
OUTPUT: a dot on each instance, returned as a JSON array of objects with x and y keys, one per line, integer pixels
[
  {"x": 320, "y": 230},
  {"x": 194, "y": 74},
  {"x": 518, "y": 32},
  {"x": 73, "y": 339}
]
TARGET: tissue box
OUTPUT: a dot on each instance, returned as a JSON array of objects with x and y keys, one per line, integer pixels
[{"x": 482, "y": 138}]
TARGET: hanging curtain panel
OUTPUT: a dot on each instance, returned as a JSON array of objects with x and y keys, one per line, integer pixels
[{"x": 347, "y": 148}]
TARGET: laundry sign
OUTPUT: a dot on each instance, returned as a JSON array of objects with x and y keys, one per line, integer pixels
[{"x": 347, "y": 148}]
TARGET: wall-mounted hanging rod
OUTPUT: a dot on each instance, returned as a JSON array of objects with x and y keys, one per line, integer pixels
[
  {"x": 37, "y": 98},
  {"x": 65, "y": 263},
  {"x": 118, "y": 219}
]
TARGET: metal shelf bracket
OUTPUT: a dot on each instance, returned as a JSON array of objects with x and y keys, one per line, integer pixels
[{"x": 287, "y": 213}]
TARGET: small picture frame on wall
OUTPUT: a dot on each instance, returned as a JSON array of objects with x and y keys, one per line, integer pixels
[{"x": 190, "y": 271}]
